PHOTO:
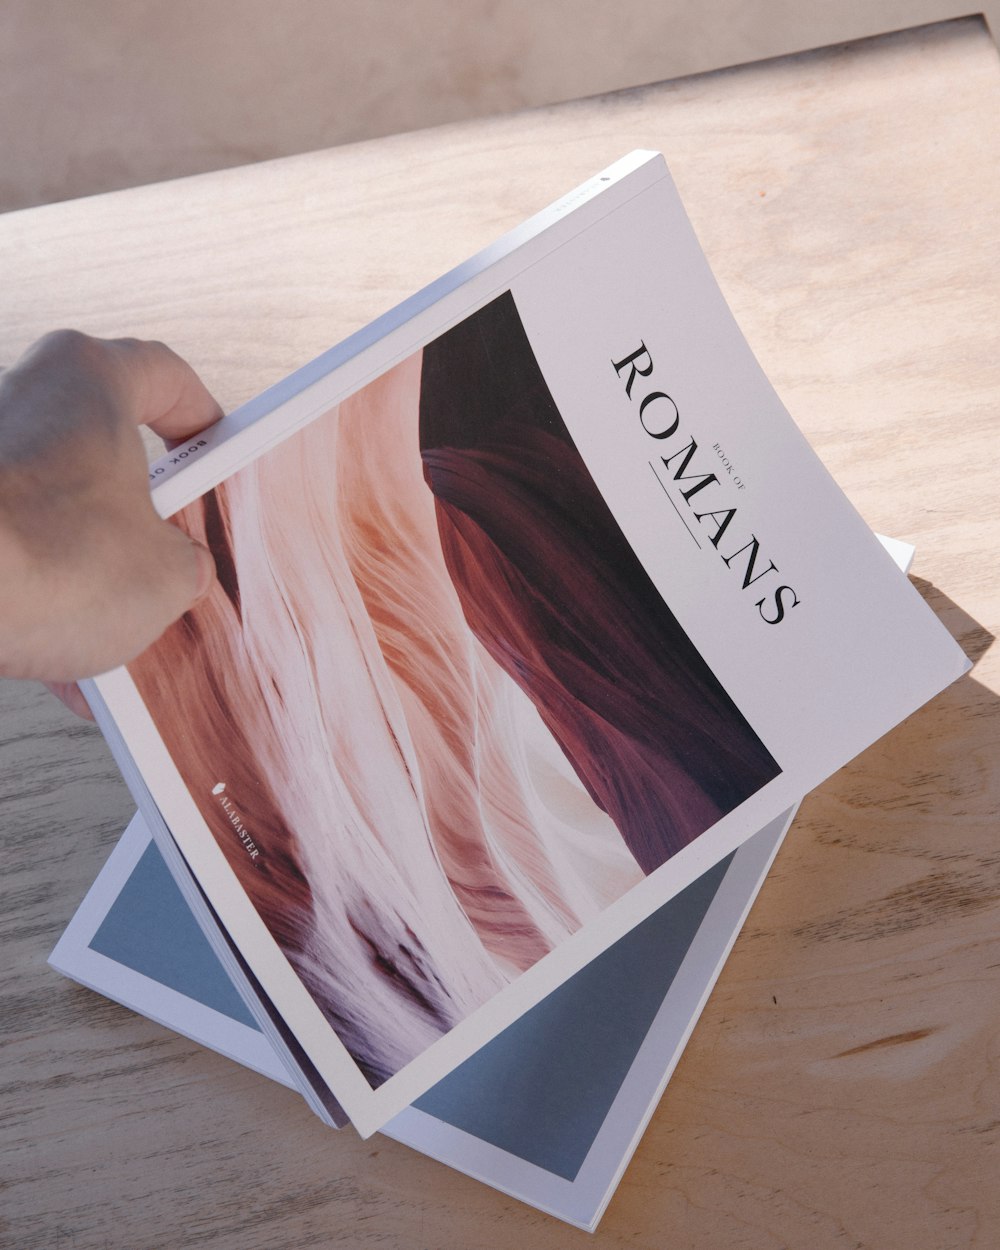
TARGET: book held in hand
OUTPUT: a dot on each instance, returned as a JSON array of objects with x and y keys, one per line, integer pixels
[
  {"x": 549, "y": 1111},
  {"x": 533, "y": 606}
]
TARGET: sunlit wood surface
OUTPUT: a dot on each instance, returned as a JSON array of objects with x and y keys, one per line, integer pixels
[{"x": 841, "y": 1091}]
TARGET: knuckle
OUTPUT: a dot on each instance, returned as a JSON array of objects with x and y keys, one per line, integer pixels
[
  {"x": 67, "y": 342},
  {"x": 68, "y": 352}
]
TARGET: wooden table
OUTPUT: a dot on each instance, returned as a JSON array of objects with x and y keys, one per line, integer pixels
[{"x": 842, "y": 1087}]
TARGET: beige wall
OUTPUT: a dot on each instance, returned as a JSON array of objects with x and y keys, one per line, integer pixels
[{"x": 100, "y": 94}]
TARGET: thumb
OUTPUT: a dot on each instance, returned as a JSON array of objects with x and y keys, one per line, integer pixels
[
  {"x": 150, "y": 577},
  {"x": 170, "y": 573},
  {"x": 184, "y": 573}
]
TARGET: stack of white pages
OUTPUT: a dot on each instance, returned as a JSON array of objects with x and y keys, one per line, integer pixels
[{"x": 536, "y": 616}]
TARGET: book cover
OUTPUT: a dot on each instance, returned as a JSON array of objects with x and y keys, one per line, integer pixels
[
  {"x": 552, "y": 1109},
  {"x": 529, "y": 612}
]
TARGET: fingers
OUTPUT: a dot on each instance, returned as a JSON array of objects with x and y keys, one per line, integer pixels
[
  {"x": 151, "y": 579},
  {"x": 69, "y": 692},
  {"x": 94, "y": 576},
  {"x": 104, "y": 611},
  {"x": 184, "y": 573},
  {"x": 146, "y": 382},
  {"x": 160, "y": 389}
]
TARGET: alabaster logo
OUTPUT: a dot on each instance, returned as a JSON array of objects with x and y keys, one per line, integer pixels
[{"x": 236, "y": 820}]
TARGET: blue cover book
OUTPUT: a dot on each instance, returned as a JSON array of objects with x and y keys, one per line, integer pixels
[{"x": 549, "y": 1111}]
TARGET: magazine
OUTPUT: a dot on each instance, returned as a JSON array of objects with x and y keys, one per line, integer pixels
[
  {"x": 552, "y": 1109},
  {"x": 533, "y": 606}
]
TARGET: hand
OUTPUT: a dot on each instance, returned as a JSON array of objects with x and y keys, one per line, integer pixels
[{"x": 90, "y": 575}]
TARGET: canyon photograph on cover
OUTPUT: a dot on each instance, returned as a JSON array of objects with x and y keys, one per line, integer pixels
[{"x": 434, "y": 712}]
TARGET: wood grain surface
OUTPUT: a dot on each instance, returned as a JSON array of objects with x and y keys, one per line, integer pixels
[{"x": 841, "y": 1091}]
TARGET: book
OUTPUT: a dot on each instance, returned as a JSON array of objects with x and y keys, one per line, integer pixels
[
  {"x": 549, "y": 1112},
  {"x": 534, "y": 605}
]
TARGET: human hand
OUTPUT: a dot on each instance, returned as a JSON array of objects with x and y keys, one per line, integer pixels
[{"x": 90, "y": 574}]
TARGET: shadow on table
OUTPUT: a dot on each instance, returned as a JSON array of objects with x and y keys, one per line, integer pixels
[{"x": 974, "y": 639}]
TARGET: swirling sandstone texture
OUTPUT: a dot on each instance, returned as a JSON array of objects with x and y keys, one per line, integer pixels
[{"x": 445, "y": 700}]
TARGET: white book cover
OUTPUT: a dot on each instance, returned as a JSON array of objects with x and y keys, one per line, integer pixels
[
  {"x": 551, "y": 1110},
  {"x": 533, "y": 606}
]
